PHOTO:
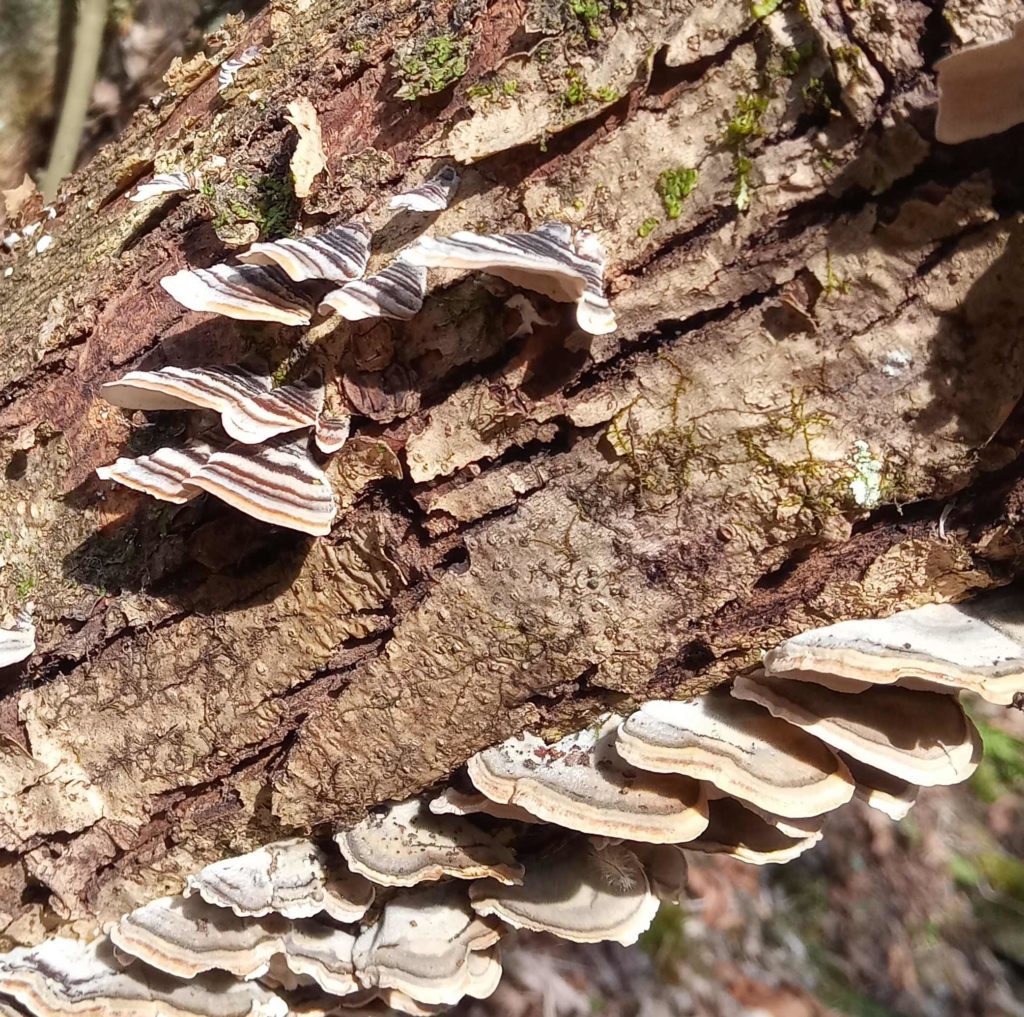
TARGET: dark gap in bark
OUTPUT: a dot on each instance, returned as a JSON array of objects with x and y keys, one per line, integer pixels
[{"x": 936, "y": 35}]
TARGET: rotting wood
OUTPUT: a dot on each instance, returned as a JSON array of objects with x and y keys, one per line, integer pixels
[{"x": 531, "y": 528}]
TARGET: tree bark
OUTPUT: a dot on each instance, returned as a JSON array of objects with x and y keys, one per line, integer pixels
[{"x": 819, "y": 355}]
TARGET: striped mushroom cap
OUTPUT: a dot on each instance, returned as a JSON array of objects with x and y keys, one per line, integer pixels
[
  {"x": 278, "y": 483},
  {"x": 186, "y": 937},
  {"x": 229, "y": 69},
  {"x": 577, "y": 891},
  {"x": 395, "y": 292},
  {"x": 428, "y": 943},
  {"x": 545, "y": 260},
  {"x": 735, "y": 830},
  {"x": 454, "y": 802},
  {"x": 740, "y": 748},
  {"x": 245, "y": 292},
  {"x": 582, "y": 783},
  {"x": 165, "y": 183},
  {"x": 433, "y": 195},
  {"x": 162, "y": 474},
  {"x": 981, "y": 89},
  {"x": 336, "y": 255},
  {"x": 294, "y": 878},
  {"x": 19, "y": 642},
  {"x": 250, "y": 408},
  {"x": 977, "y": 646},
  {"x": 921, "y": 737},
  {"x": 62, "y": 977},
  {"x": 881, "y": 790},
  {"x": 405, "y": 843}
]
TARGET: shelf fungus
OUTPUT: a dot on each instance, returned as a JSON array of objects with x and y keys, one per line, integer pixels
[
  {"x": 429, "y": 944},
  {"x": 61, "y": 977},
  {"x": 977, "y": 647},
  {"x": 338, "y": 254},
  {"x": 405, "y": 843},
  {"x": 433, "y": 195},
  {"x": 981, "y": 89},
  {"x": 185, "y": 937},
  {"x": 161, "y": 474},
  {"x": 229, "y": 69},
  {"x": 244, "y": 292},
  {"x": 881, "y": 790},
  {"x": 19, "y": 642},
  {"x": 395, "y": 292},
  {"x": 741, "y": 749},
  {"x": 578, "y": 891},
  {"x": 166, "y": 183},
  {"x": 583, "y": 784},
  {"x": 737, "y": 831},
  {"x": 294, "y": 878},
  {"x": 546, "y": 260},
  {"x": 921, "y": 737},
  {"x": 454, "y": 802}
]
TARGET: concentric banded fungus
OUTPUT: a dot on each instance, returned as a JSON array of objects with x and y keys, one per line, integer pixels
[
  {"x": 18, "y": 643},
  {"x": 396, "y": 292},
  {"x": 162, "y": 474},
  {"x": 741, "y": 749},
  {"x": 428, "y": 944},
  {"x": 981, "y": 89},
  {"x": 331, "y": 433},
  {"x": 593, "y": 312},
  {"x": 544, "y": 260},
  {"x": 921, "y": 737},
  {"x": 977, "y": 646},
  {"x": 229, "y": 69},
  {"x": 278, "y": 483},
  {"x": 736, "y": 831},
  {"x": 881, "y": 790},
  {"x": 433, "y": 195},
  {"x": 66, "y": 976},
  {"x": 250, "y": 408},
  {"x": 582, "y": 783},
  {"x": 337, "y": 255},
  {"x": 294, "y": 878},
  {"x": 452, "y": 802},
  {"x": 407, "y": 844},
  {"x": 186, "y": 937},
  {"x": 578, "y": 892},
  {"x": 165, "y": 183},
  {"x": 245, "y": 292}
]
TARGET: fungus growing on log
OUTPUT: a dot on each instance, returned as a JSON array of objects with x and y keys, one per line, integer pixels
[
  {"x": 395, "y": 292},
  {"x": 433, "y": 195},
  {"x": 583, "y": 784},
  {"x": 162, "y": 474},
  {"x": 405, "y": 843},
  {"x": 19, "y": 642},
  {"x": 166, "y": 183},
  {"x": 338, "y": 254},
  {"x": 737, "y": 831},
  {"x": 545, "y": 260},
  {"x": 228, "y": 70},
  {"x": 981, "y": 89}
]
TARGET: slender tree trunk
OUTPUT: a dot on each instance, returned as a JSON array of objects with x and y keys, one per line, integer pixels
[{"x": 819, "y": 356}]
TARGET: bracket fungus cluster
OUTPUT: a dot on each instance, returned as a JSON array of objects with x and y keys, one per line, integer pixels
[
  {"x": 18, "y": 643},
  {"x": 583, "y": 838},
  {"x": 258, "y": 462}
]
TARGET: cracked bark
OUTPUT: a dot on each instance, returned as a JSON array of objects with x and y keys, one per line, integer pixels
[{"x": 533, "y": 529}]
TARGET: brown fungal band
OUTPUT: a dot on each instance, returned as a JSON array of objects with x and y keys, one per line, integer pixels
[
  {"x": 338, "y": 254},
  {"x": 433, "y": 195},
  {"x": 395, "y": 292}
]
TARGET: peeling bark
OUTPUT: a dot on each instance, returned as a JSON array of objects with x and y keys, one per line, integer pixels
[{"x": 532, "y": 528}]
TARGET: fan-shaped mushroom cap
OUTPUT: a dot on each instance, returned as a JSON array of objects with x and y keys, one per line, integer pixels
[
  {"x": 582, "y": 783},
  {"x": 578, "y": 892},
  {"x": 434, "y": 195},
  {"x": 245, "y": 292},
  {"x": 981, "y": 89},
  {"x": 230, "y": 68},
  {"x": 337, "y": 255},
  {"x": 162, "y": 474},
  {"x": 881, "y": 790},
  {"x": 978, "y": 646},
  {"x": 735, "y": 830},
  {"x": 741, "y": 749},
  {"x": 395, "y": 292},
  {"x": 165, "y": 183},
  {"x": 332, "y": 433},
  {"x": 294, "y": 878},
  {"x": 665, "y": 865},
  {"x": 19, "y": 642},
  {"x": 186, "y": 936},
  {"x": 278, "y": 483},
  {"x": 452, "y": 802},
  {"x": 62, "y": 977},
  {"x": 593, "y": 312},
  {"x": 381, "y": 1003},
  {"x": 428, "y": 944},
  {"x": 407, "y": 844},
  {"x": 251, "y": 409},
  {"x": 921, "y": 737}
]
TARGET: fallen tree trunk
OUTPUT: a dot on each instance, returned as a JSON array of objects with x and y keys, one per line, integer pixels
[{"x": 819, "y": 355}]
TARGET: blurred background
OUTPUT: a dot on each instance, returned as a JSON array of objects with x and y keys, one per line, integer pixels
[{"x": 924, "y": 917}]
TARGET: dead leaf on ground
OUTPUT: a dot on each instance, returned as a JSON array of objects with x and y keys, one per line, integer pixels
[
  {"x": 308, "y": 159},
  {"x": 16, "y": 198}
]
